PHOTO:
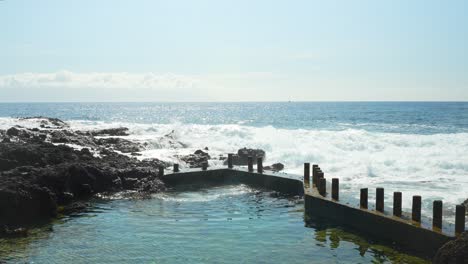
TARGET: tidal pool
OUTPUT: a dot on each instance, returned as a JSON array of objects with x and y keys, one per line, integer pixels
[{"x": 194, "y": 224}]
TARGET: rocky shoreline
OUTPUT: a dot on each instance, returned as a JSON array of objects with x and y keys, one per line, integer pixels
[{"x": 52, "y": 169}]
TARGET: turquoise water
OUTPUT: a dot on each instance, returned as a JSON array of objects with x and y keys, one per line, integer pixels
[{"x": 224, "y": 224}]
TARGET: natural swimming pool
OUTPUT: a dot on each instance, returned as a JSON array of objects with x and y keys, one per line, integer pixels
[{"x": 195, "y": 224}]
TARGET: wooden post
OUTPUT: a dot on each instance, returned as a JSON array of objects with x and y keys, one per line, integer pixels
[
  {"x": 205, "y": 165},
  {"x": 259, "y": 165},
  {"x": 363, "y": 199},
  {"x": 176, "y": 167},
  {"x": 318, "y": 175},
  {"x": 416, "y": 212},
  {"x": 315, "y": 168},
  {"x": 250, "y": 163},
  {"x": 335, "y": 188},
  {"x": 230, "y": 160},
  {"x": 161, "y": 171},
  {"x": 306, "y": 173},
  {"x": 397, "y": 204},
  {"x": 379, "y": 199},
  {"x": 323, "y": 187},
  {"x": 460, "y": 219},
  {"x": 437, "y": 214}
]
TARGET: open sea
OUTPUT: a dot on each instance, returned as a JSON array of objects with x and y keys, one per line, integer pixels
[{"x": 418, "y": 148}]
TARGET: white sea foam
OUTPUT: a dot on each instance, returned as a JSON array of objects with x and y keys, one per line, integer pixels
[
  {"x": 433, "y": 166},
  {"x": 206, "y": 195}
]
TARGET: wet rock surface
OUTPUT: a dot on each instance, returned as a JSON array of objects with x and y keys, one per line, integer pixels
[
  {"x": 41, "y": 177},
  {"x": 455, "y": 251},
  {"x": 196, "y": 159},
  {"x": 275, "y": 167},
  {"x": 241, "y": 158}
]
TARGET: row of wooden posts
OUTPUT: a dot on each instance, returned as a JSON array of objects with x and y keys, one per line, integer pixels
[
  {"x": 230, "y": 165},
  {"x": 319, "y": 182}
]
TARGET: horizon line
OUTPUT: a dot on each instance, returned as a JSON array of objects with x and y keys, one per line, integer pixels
[{"x": 246, "y": 101}]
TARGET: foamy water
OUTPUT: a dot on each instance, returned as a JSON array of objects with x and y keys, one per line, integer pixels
[{"x": 433, "y": 166}]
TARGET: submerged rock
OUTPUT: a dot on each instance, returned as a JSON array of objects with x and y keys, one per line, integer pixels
[
  {"x": 15, "y": 232},
  {"x": 455, "y": 251}
]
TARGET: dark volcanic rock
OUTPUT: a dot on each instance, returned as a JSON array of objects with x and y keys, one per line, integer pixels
[
  {"x": 465, "y": 203},
  {"x": 120, "y": 144},
  {"x": 196, "y": 159},
  {"x": 241, "y": 158},
  {"x": 119, "y": 131},
  {"x": 455, "y": 251},
  {"x": 13, "y": 132},
  {"x": 48, "y": 122},
  {"x": 275, "y": 167},
  {"x": 74, "y": 207},
  {"x": 35, "y": 178}
]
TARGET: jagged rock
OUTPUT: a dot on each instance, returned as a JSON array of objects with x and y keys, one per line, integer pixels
[
  {"x": 196, "y": 159},
  {"x": 455, "y": 251},
  {"x": 119, "y": 131},
  {"x": 241, "y": 158},
  {"x": 120, "y": 144},
  {"x": 13, "y": 132},
  {"x": 37, "y": 177},
  {"x": 47, "y": 122},
  {"x": 275, "y": 167}
]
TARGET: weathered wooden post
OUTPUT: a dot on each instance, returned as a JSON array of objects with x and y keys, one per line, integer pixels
[
  {"x": 230, "y": 160},
  {"x": 205, "y": 165},
  {"x": 250, "y": 163},
  {"x": 319, "y": 175},
  {"x": 323, "y": 187},
  {"x": 437, "y": 214},
  {"x": 161, "y": 171},
  {"x": 306, "y": 173},
  {"x": 259, "y": 165},
  {"x": 335, "y": 188},
  {"x": 416, "y": 212},
  {"x": 315, "y": 168},
  {"x": 363, "y": 198},
  {"x": 460, "y": 219},
  {"x": 379, "y": 199},
  {"x": 176, "y": 167},
  {"x": 397, "y": 204}
]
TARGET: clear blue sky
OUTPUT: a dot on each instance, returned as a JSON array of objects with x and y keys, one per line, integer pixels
[{"x": 111, "y": 50}]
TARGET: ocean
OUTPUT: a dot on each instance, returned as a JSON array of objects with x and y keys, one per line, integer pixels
[{"x": 418, "y": 148}]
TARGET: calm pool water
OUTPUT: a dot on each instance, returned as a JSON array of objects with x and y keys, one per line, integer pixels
[{"x": 224, "y": 224}]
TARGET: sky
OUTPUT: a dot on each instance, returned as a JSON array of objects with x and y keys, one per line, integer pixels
[{"x": 252, "y": 50}]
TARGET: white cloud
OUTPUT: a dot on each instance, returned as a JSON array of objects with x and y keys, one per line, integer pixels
[{"x": 108, "y": 80}]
